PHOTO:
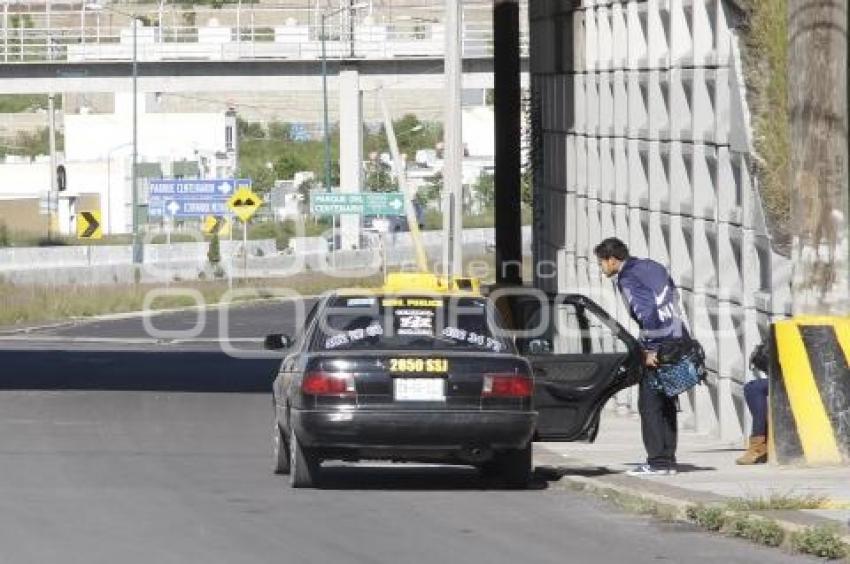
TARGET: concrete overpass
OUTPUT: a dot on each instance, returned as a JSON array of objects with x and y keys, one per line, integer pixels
[{"x": 414, "y": 73}]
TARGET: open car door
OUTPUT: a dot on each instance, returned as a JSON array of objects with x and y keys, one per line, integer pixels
[{"x": 580, "y": 356}]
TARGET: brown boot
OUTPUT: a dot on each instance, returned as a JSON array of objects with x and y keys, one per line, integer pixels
[{"x": 756, "y": 453}]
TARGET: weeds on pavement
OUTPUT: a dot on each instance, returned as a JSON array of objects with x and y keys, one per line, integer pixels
[
  {"x": 779, "y": 501},
  {"x": 757, "y": 529},
  {"x": 819, "y": 541}
]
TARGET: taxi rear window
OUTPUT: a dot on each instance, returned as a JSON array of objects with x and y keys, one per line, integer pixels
[{"x": 410, "y": 323}]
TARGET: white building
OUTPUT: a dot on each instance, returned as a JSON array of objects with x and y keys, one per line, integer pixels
[{"x": 98, "y": 157}]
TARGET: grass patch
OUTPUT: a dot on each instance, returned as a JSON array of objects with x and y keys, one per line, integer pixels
[
  {"x": 17, "y": 103},
  {"x": 629, "y": 503},
  {"x": 722, "y": 519},
  {"x": 30, "y": 303},
  {"x": 23, "y": 304},
  {"x": 765, "y": 59},
  {"x": 756, "y": 529},
  {"x": 820, "y": 541},
  {"x": 282, "y": 232},
  {"x": 779, "y": 501},
  {"x": 711, "y": 518}
]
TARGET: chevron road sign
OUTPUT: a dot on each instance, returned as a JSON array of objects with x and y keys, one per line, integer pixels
[
  {"x": 217, "y": 225},
  {"x": 88, "y": 225}
]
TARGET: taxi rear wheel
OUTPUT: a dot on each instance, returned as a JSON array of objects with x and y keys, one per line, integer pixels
[
  {"x": 281, "y": 451},
  {"x": 510, "y": 468},
  {"x": 304, "y": 465}
]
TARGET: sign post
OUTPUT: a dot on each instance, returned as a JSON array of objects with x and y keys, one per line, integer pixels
[
  {"x": 383, "y": 225},
  {"x": 244, "y": 203},
  {"x": 205, "y": 200}
]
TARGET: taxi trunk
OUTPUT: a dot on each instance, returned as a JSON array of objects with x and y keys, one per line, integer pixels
[
  {"x": 446, "y": 406},
  {"x": 448, "y": 380}
]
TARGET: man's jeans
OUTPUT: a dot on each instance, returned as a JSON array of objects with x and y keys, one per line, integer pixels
[{"x": 755, "y": 392}]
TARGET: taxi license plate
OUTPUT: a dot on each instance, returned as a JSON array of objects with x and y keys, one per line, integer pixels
[{"x": 419, "y": 389}]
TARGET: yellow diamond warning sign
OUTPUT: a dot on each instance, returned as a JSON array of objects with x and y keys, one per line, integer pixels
[{"x": 244, "y": 203}]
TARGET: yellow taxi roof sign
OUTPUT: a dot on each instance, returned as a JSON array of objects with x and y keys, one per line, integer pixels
[{"x": 425, "y": 281}]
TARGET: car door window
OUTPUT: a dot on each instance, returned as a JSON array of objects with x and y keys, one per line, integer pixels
[{"x": 580, "y": 357}]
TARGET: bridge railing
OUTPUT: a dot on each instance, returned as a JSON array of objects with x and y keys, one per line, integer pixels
[{"x": 231, "y": 33}]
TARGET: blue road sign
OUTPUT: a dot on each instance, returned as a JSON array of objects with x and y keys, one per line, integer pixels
[
  {"x": 192, "y": 198},
  {"x": 184, "y": 208}
]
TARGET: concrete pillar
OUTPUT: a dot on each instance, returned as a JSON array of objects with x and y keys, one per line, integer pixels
[
  {"x": 508, "y": 133},
  {"x": 350, "y": 149},
  {"x": 817, "y": 96}
]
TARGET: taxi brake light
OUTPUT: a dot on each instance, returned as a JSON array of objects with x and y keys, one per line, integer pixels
[
  {"x": 328, "y": 384},
  {"x": 507, "y": 386}
]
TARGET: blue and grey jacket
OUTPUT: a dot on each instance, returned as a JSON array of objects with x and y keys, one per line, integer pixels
[{"x": 653, "y": 301}]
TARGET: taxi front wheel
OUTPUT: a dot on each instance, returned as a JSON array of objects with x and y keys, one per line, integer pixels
[{"x": 304, "y": 465}]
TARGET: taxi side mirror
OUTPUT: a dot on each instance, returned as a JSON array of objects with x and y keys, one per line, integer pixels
[{"x": 277, "y": 341}]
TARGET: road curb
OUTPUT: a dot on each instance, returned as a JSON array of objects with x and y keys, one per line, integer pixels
[{"x": 670, "y": 501}]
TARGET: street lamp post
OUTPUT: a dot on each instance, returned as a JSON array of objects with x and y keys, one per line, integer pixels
[
  {"x": 134, "y": 188},
  {"x": 109, "y": 184},
  {"x": 327, "y": 135},
  {"x": 138, "y": 251}
]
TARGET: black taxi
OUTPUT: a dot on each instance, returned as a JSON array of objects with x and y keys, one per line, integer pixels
[{"x": 438, "y": 373}]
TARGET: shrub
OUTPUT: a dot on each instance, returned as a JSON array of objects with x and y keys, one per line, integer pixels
[
  {"x": 710, "y": 518},
  {"x": 756, "y": 529},
  {"x": 819, "y": 541},
  {"x": 214, "y": 252}
]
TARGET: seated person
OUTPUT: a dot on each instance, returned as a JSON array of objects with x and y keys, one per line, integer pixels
[{"x": 755, "y": 393}]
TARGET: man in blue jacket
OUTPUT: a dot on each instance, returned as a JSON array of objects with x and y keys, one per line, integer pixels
[{"x": 653, "y": 302}]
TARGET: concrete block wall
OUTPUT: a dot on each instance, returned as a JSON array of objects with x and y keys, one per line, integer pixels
[{"x": 641, "y": 131}]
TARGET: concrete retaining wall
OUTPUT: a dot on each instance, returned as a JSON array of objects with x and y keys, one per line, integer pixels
[
  {"x": 187, "y": 262},
  {"x": 48, "y": 258}
]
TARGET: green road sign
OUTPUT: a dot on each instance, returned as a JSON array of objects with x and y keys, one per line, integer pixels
[{"x": 360, "y": 203}]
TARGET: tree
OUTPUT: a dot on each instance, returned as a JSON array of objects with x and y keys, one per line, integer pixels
[
  {"x": 279, "y": 130},
  {"x": 411, "y": 135},
  {"x": 431, "y": 190},
  {"x": 379, "y": 177},
  {"x": 287, "y": 165},
  {"x": 485, "y": 189},
  {"x": 250, "y": 129},
  {"x": 304, "y": 192}
]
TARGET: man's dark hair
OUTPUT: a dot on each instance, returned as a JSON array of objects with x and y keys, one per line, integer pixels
[{"x": 611, "y": 247}]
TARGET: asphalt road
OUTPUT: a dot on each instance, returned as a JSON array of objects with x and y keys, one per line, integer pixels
[{"x": 92, "y": 472}]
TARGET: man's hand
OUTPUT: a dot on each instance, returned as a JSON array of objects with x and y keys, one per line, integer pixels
[{"x": 650, "y": 359}]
